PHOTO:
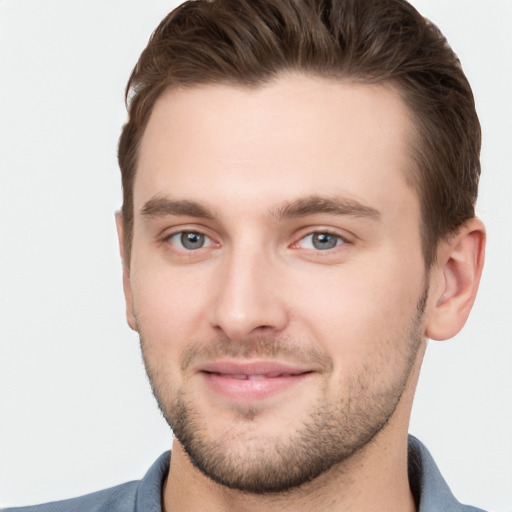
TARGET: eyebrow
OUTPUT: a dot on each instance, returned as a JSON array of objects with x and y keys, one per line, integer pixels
[
  {"x": 301, "y": 207},
  {"x": 162, "y": 206},
  {"x": 312, "y": 205}
]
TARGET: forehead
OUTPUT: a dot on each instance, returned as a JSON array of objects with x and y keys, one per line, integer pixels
[{"x": 295, "y": 136}]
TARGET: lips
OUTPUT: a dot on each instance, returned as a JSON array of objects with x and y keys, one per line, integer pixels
[
  {"x": 239, "y": 367},
  {"x": 254, "y": 377},
  {"x": 249, "y": 381}
]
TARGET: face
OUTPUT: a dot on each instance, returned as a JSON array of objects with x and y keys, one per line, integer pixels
[{"x": 277, "y": 279}]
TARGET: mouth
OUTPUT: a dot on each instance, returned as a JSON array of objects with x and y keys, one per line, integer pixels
[
  {"x": 250, "y": 381},
  {"x": 254, "y": 377}
]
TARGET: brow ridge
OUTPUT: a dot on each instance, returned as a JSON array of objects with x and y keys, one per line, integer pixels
[
  {"x": 162, "y": 206},
  {"x": 301, "y": 207},
  {"x": 312, "y": 205}
]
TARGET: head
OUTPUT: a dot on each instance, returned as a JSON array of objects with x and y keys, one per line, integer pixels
[
  {"x": 249, "y": 43},
  {"x": 299, "y": 181}
]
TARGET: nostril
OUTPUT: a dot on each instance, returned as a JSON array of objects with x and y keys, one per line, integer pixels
[{"x": 263, "y": 328}]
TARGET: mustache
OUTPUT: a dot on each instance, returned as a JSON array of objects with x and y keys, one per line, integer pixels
[{"x": 263, "y": 347}]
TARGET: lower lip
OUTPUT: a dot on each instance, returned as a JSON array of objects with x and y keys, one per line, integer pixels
[{"x": 244, "y": 390}]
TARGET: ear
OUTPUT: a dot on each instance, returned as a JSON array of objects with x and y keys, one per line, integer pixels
[
  {"x": 127, "y": 286},
  {"x": 454, "y": 280}
]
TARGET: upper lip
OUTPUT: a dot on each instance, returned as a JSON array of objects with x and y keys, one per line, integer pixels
[{"x": 269, "y": 368}]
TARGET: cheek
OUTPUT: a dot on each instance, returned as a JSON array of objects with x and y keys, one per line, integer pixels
[
  {"x": 169, "y": 306},
  {"x": 359, "y": 310}
]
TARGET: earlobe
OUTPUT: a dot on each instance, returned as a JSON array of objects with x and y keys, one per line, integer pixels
[
  {"x": 130, "y": 315},
  {"x": 456, "y": 276}
]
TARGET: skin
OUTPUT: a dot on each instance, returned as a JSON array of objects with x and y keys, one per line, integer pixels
[{"x": 242, "y": 167}]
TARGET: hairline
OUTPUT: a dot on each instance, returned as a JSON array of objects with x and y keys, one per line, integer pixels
[{"x": 412, "y": 175}]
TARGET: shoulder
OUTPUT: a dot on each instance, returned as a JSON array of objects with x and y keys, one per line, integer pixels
[
  {"x": 429, "y": 488},
  {"x": 120, "y": 498},
  {"x": 137, "y": 496}
]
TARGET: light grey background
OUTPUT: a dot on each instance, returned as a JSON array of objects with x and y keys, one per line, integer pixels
[{"x": 76, "y": 413}]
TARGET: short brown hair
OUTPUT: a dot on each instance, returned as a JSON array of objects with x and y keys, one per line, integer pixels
[{"x": 250, "y": 42}]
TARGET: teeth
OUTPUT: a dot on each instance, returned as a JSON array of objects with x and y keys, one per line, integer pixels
[
  {"x": 257, "y": 377},
  {"x": 271, "y": 375},
  {"x": 277, "y": 374}
]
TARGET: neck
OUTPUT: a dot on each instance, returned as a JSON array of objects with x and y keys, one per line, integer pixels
[{"x": 374, "y": 479}]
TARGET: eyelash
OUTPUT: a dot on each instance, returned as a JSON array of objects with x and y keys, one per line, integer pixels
[
  {"x": 181, "y": 234},
  {"x": 339, "y": 240}
]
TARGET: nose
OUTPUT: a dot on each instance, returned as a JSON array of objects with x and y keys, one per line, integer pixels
[{"x": 250, "y": 299}]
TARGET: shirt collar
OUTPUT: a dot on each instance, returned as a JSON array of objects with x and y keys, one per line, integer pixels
[
  {"x": 429, "y": 488},
  {"x": 149, "y": 491}
]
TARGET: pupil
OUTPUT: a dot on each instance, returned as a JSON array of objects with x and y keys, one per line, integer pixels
[
  {"x": 192, "y": 240},
  {"x": 324, "y": 241}
]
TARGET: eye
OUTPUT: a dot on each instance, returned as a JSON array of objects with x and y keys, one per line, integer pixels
[
  {"x": 320, "y": 241},
  {"x": 190, "y": 240}
]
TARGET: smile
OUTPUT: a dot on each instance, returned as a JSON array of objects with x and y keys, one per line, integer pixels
[
  {"x": 255, "y": 377},
  {"x": 250, "y": 381}
]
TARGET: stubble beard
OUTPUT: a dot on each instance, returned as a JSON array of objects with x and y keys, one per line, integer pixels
[{"x": 331, "y": 434}]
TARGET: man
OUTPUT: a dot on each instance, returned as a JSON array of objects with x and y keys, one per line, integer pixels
[{"x": 299, "y": 185}]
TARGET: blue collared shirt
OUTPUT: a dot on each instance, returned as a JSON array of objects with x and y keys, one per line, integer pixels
[{"x": 431, "y": 492}]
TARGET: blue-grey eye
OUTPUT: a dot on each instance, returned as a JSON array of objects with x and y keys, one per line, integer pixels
[
  {"x": 321, "y": 241},
  {"x": 190, "y": 240}
]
